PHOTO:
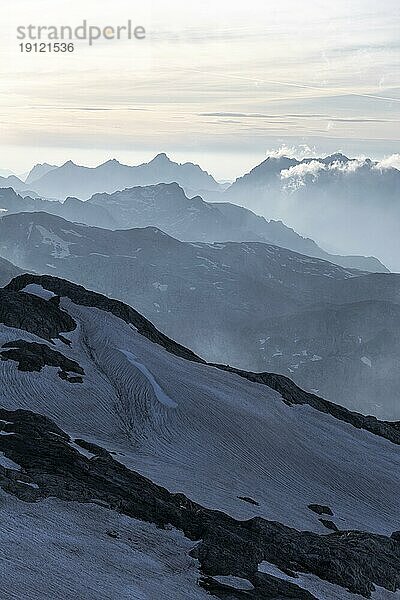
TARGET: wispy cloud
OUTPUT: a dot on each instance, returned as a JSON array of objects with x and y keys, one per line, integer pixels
[{"x": 222, "y": 78}]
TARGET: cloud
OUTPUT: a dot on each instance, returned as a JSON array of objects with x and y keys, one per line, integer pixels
[
  {"x": 316, "y": 116},
  {"x": 303, "y": 169},
  {"x": 301, "y": 151},
  {"x": 240, "y": 115},
  {"x": 299, "y": 175},
  {"x": 350, "y": 166},
  {"x": 295, "y": 177},
  {"x": 389, "y": 162}
]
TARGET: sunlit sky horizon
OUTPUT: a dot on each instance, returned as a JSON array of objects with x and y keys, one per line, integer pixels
[{"x": 219, "y": 84}]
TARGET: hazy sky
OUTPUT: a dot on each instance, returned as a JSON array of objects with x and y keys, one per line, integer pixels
[{"x": 218, "y": 82}]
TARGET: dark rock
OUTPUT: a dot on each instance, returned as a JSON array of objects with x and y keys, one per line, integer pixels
[
  {"x": 32, "y": 356},
  {"x": 320, "y": 509},
  {"x": 249, "y": 500},
  {"x": 329, "y": 524},
  {"x": 396, "y": 536},
  {"x": 33, "y": 314},
  {"x": 112, "y": 534}
]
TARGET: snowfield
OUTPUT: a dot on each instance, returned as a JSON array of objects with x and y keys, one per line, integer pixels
[
  {"x": 210, "y": 434},
  {"x": 66, "y": 550},
  {"x": 323, "y": 589}
]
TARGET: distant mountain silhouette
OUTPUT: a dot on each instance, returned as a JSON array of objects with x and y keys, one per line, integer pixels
[
  {"x": 72, "y": 209},
  {"x": 39, "y": 171},
  {"x": 167, "y": 207},
  {"x": 12, "y": 181},
  {"x": 74, "y": 180},
  {"x": 348, "y": 204}
]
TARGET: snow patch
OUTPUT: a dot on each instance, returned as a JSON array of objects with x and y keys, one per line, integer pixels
[
  {"x": 60, "y": 246},
  {"x": 366, "y": 361},
  {"x": 159, "y": 392},
  {"x": 236, "y": 583},
  {"x": 81, "y": 450},
  {"x": 319, "y": 587},
  {"x": 7, "y": 463},
  {"x": 30, "y": 484},
  {"x": 37, "y": 290}
]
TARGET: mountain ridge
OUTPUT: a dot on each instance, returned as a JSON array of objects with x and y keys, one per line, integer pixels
[
  {"x": 232, "y": 297},
  {"x": 169, "y": 476},
  {"x": 166, "y": 207}
]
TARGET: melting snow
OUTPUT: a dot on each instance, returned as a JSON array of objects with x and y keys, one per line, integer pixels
[{"x": 57, "y": 549}]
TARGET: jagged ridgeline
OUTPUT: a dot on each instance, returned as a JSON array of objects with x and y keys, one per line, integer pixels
[
  {"x": 135, "y": 469},
  {"x": 257, "y": 305}
]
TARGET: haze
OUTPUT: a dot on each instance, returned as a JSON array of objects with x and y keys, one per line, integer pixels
[{"x": 218, "y": 84}]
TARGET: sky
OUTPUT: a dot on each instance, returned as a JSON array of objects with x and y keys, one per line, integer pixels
[{"x": 218, "y": 83}]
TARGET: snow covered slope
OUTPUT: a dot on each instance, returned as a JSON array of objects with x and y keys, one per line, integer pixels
[
  {"x": 226, "y": 446},
  {"x": 200, "y": 430},
  {"x": 54, "y": 549}
]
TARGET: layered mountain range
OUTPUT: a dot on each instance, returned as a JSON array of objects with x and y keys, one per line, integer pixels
[
  {"x": 342, "y": 203},
  {"x": 188, "y": 219},
  {"x": 75, "y": 180},
  {"x": 197, "y": 401},
  {"x": 252, "y": 305},
  {"x": 132, "y": 468},
  {"x": 348, "y": 206}
]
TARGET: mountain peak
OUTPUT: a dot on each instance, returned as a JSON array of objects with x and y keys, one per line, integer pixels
[
  {"x": 336, "y": 157},
  {"x": 161, "y": 158},
  {"x": 45, "y": 164},
  {"x": 111, "y": 162},
  {"x": 39, "y": 170}
]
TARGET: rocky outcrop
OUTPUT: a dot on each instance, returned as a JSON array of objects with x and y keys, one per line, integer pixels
[
  {"x": 60, "y": 321},
  {"x": 35, "y": 315},
  {"x": 320, "y": 509},
  {"x": 31, "y": 356},
  {"x": 83, "y": 297},
  {"x": 354, "y": 560}
]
